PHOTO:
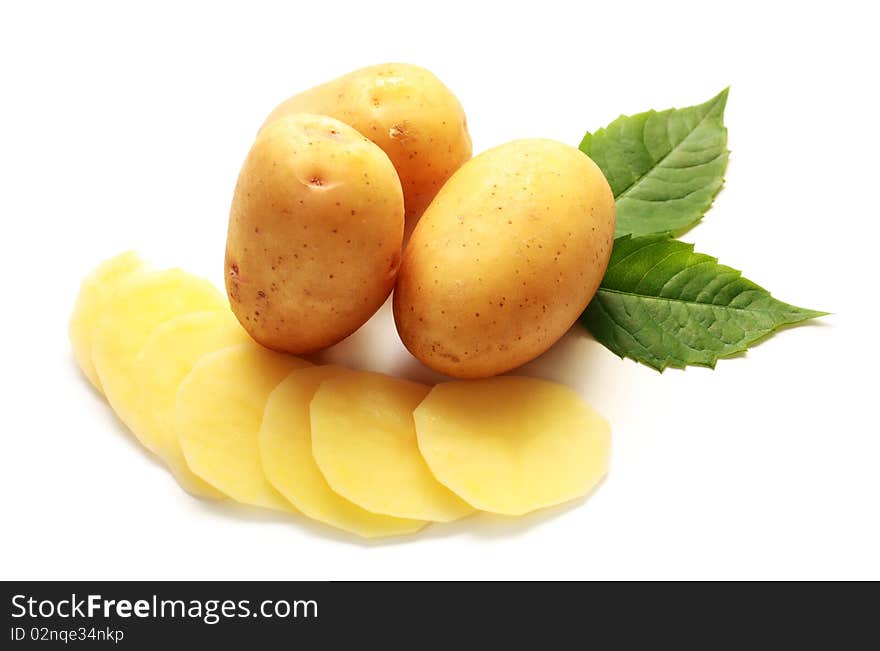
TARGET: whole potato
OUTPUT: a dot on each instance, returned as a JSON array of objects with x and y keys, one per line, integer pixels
[
  {"x": 405, "y": 110},
  {"x": 505, "y": 259},
  {"x": 315, "y": 233}
]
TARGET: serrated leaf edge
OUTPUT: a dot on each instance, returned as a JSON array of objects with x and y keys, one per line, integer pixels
[
  {"x": 804, "y": 314},
  {"x": 721, "y": 101}
]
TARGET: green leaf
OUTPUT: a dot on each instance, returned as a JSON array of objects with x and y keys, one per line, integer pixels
[
  {"x": 664, "y": 305},
  {"x": 664, "y": 168}
]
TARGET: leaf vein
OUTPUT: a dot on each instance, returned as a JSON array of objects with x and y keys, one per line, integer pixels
[{"x": 659, "y": 163}]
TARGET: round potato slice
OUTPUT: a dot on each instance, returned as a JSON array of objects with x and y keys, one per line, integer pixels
[
  {"x": 167, "y": 357},
  {"x": 511, "y": 445},
  {"x": 364, "y": 442},
  {"x": 286, "y": 450},
  {"x": 136, "y": 308},
  {"x": 93, "y": 294},
  {"x": 218, "y": 413}
]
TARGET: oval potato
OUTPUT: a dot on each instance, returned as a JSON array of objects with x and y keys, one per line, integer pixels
[
  {"x": 511, "y": 445},
  {"x": 315, "y": 232},
  {"x": 405, "y": 110},
  {"x": 505, "y": 259}
]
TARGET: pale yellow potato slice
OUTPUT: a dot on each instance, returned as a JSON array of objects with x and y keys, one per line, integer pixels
[
  {"x": 512, "y": 444},
  {"x": 135, "y": 309},
  {"x": 93, "y": 294},
  {"x": 286, "y": 451},
  {"x": 364, "y": 442},
  {"x": 167, "y": 357},
  {"x": 218, "y": 413}
]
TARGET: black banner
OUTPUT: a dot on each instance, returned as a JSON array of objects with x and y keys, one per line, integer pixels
[{"x": 408, "y": 615}]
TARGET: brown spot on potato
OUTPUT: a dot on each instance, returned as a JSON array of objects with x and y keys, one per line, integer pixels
[
  {"x": 399, "y": 131},
  {"x": 438, "y": 349}
]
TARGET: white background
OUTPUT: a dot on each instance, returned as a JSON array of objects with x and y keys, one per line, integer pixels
[{"x": 125, "y": 128}]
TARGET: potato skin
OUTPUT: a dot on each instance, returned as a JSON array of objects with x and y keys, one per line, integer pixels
[
  {"x": 315, "y": 232},
  {"x": 405, "y": 110},
  {"x": 505, "y": 259}
]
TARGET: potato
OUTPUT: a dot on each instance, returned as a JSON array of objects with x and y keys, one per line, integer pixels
[
  {"x": 505, "y": 259},
  {"x": 136, "y": 308},
  {"x": 167, "y": 357},
  {"x": 219, "y": 408},
  {"x": 364, "y": 442},
  {"x": 315, "y": 233},
  {"x": 286, "y": 451},
  {"x": 512, "y": 444},
  {"x": 405, "y": 110},
  {"x": 93, "y": 294}
]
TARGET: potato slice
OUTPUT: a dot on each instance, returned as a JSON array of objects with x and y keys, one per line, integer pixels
[
  {"x": 512, "y": 444},
  {"x": 218, "y": 414},
  {"x": 93, "y": 294},
  {"x": 286, "y": 451},
  {"x": 364, "y": 442},
  {"x": 136, "y": 308},
  {"x": 167, "y": 357}
]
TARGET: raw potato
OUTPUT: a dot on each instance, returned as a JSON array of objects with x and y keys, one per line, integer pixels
[
  {"x": 165, "y": 360},
  {"x": 315, "y": 233},
  {"x": 407, "y": 112},
  {"x": 364, "y": 442},
  {"x": 218, "y": 414},
  {"x": 136, "y": 308},
  {"x": 512, "y": 444},
  {"x": 93, "y": 294},
  {"x": 505, "y": 259},
  {"x": 286, "y": 451}
]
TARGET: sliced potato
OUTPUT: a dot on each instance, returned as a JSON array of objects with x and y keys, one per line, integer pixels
[
  {"x": 286, "y": 450},
  {"x": 364, "y": 442},
  {"x": 140, "y": 304},
  {"x": 130, "y": 315},
  {"x": 93, "y": 294},
  {"x": 512, "y": 444},
  {"x": 167, "y": 357},
  {"x": 218, "y": 413}
]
